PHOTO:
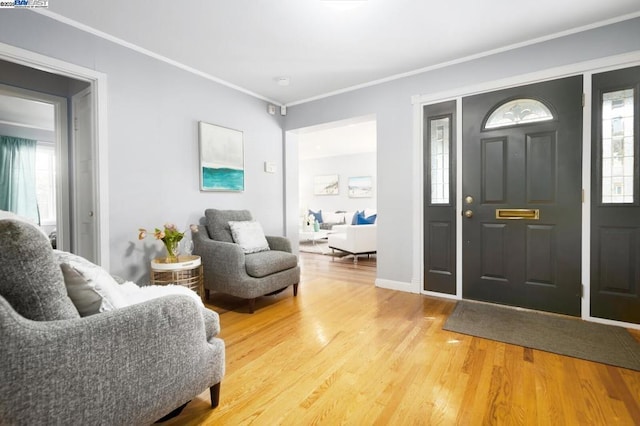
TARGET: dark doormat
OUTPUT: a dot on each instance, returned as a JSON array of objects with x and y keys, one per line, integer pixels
[{"x": 547, "y": 332}]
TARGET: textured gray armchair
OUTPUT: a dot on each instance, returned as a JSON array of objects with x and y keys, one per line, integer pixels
[
  {"x": 227, "y": 269},
  {"x": 128, "y": 366}
]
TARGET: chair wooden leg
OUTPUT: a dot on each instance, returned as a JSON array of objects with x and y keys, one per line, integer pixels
[
  {"x": 252, "y": 305},
  {"x": 295, "y": 289},
  {"x": 214, "y": 391}
]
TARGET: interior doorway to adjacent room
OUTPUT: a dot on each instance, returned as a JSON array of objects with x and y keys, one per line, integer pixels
[{"x": 337, "y": 172}]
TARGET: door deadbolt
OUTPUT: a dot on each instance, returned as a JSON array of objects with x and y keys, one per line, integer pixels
[
  {"x": 468, "y": 199},
  {"x": 468, "y": 213}
]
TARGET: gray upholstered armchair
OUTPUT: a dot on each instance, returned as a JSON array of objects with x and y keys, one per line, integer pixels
[
  {"x": 227, "y": 269},
  {"x": 127, "y": 366}
]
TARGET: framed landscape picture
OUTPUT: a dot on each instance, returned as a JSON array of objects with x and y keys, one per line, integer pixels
[
  {"x": 221, "y": 158},
  {"x": 360, "y": 187},
  {"x": 326, "y": 185}
]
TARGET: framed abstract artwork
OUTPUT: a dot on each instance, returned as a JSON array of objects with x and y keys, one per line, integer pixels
[
  {"x": 326, "y": 185},
  {"x": 221, "y": 158},
  {"x": 360, "y": 187}
]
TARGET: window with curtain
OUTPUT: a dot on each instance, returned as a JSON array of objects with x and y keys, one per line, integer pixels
[
  {"x": 18, "y": 177},
  {"x": 46, "y": 182}
]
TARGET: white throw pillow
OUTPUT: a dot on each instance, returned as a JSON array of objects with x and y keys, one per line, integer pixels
[
  {"x": 96, "y": 278},
  {"x": 248, "y": 234},
  {"x": 332, "y": 217},
  {"x": 85, "y": 281}
]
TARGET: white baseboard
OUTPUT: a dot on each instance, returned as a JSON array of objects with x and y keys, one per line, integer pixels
[
  {"x": 442, "y": 295},
  {"x": 397, "y": 285}
]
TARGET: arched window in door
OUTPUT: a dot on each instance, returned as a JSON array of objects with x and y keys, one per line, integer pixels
[{"x": 518, "y": 111}]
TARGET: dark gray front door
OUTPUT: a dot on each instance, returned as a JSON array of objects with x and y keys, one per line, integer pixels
[
  {"x": 522, "y": 196},
  {"x": 615, "y": 201}
]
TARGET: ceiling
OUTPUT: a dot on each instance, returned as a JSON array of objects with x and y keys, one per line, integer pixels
[
  {"x": 346, "y": 137},
  {"x": 26, "y": 118},
  {"x": 249, "y": 44}
]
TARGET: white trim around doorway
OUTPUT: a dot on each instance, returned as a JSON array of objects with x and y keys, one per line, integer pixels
[
  {"x": 98, "y": 83},
  {"x": 586, "y": 69}
]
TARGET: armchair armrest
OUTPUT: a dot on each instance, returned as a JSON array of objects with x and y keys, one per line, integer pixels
[
  {"x": 279, "y": 243},
  {"x": 128, "y": 366}
]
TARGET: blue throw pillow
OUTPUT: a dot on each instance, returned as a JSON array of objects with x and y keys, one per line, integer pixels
[
  {"x": 317, "y": 215},
  {"x": 366, "y": 220},
  {"x": 354, "y": 219}
]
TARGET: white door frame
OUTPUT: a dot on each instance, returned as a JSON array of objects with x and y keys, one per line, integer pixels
[
  {"x": 586, "y": 69},
  {"x": 98, "y": 82},
  {"x": 62, "y": 155}
]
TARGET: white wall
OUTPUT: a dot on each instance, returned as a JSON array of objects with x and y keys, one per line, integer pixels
[
  {"x": 344, "y": 166},
  {"x": 391, "y": 104},
  {"x": 153, "y": 111}
]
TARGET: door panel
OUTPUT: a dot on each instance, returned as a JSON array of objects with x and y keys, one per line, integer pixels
[
  {"x": 531, "y": 171},
  {"x": 494, "y": 158},
  {"x": 439, "y": 197},
  {"x": 85, "y": 226},
  {"x": 615, "y": 206},
  {"x": 541, "y": 167}
]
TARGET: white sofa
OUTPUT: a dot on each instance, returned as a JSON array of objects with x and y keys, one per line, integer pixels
[{"x": 354, "y": 239}]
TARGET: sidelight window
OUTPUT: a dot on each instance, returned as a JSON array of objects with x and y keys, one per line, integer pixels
[
  {"x": 518, "y": 111},
  {"x": 618, "y": 154},
  {"x": 439, "y": 139}
]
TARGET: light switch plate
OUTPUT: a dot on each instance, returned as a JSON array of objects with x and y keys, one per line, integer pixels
[{"x": 269, "y": 167}]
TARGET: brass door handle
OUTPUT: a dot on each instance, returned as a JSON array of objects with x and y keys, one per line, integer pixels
[{"x": 468, "y": 213}]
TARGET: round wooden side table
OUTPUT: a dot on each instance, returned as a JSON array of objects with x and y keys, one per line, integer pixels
[{"x": 187, "y": 272}]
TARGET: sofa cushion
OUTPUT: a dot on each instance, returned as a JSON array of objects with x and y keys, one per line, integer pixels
[
  {"x": 248, "y": 234},
  {"x": 218, "y": 222},
  {"x": 265, "y": 263},
  {"x": 31, "y": 280}
]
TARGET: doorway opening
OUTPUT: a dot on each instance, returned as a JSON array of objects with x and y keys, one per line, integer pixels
[
  {"x": 25, "y": 88},
  {"x": 337, "y": 168}
]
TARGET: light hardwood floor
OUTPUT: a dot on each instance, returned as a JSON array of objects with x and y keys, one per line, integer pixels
[{"x": 346, "y": 352}]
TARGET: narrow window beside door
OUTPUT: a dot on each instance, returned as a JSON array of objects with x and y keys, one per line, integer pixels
[
  {"x": 439, "y": 143},
  {"x": 617, "y": 146}
]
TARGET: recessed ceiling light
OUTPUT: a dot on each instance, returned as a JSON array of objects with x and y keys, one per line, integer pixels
[
  {"x": 343, "y": 4},
  {"x": 283, "y": 81}
]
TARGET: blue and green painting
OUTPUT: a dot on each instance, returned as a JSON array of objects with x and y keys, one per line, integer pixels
[{"x": 222, "y": 179}]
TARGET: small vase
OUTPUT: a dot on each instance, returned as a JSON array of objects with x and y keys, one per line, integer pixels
[
  {"x": 316, "y": 226},
  {"x": 172, "y": 251}
]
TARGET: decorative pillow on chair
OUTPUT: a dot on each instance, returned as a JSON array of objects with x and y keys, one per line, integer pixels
[
  {"x": 95, "y": 279},
  {"x": 248, "y": 234},
  {"x": 86, "y": 299}
]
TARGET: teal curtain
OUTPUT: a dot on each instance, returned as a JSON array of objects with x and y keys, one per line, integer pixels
[{"x": 18, "y": 177}]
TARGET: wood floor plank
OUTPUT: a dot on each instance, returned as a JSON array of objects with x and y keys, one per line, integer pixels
[{"x": 347, "y": 352}]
